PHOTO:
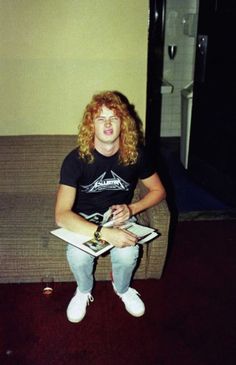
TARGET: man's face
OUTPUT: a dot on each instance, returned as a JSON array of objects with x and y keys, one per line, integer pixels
[{"x": 107, "y": 126}]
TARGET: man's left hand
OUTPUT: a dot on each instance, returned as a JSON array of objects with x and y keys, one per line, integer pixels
[{"x": 121, "y": 213}]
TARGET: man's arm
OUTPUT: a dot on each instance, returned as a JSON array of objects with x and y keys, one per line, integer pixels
[
  {"x": 156, "y": 193},
  {"x": 66, "y": 218},
  {"x": 64, "y": 215}
]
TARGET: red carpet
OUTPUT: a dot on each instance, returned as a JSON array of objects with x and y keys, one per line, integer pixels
[{"x": 189, "y": 320}]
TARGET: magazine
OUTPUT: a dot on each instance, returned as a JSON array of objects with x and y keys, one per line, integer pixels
[
  {"x": 97, "y": 248},
  {"x": 105, "y": 219},
  {"x": 85, "y": 243}
]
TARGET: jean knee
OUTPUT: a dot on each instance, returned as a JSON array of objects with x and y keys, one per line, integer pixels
[
  {"x": 126, "y": 256},
  {"x": 78, "y": 258}
]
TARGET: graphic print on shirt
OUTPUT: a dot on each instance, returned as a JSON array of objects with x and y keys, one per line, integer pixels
[{"x": 100, "y": 184}]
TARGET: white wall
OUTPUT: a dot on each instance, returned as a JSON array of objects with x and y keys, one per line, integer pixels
[{"x": 55, "y": 54}]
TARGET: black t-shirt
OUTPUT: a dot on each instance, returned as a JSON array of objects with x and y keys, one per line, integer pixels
[{"x": 103, "y": 182}]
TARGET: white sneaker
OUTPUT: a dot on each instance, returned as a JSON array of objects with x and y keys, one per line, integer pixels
[
  {"x": 133, "y": 304},
  {"x": 76, "y": 309}
]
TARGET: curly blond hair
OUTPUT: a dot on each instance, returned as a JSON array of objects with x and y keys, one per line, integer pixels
[{"x": 129, "y": 135}]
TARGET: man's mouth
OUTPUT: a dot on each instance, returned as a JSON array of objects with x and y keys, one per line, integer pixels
[{"x": 108, "y": 132}]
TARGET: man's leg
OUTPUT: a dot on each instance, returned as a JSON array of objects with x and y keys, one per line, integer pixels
[
  {"x": 81, "y": 265},
  {"x": 124, "y": 261}
]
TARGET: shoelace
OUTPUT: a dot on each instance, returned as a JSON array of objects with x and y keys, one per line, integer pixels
[
  {"x": 90, "y": 298},
  {"x": 133, "y": 291},
  {"x": 130, "y": 292}
]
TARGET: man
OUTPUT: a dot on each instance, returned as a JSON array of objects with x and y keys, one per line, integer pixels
[{"x": 101, "y": 173}]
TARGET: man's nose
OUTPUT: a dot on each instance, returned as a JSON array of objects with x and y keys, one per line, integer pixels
[{"x": 107, "y": 122}]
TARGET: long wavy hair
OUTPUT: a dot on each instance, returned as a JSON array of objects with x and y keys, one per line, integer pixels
[{"x": 129, "y": 134}]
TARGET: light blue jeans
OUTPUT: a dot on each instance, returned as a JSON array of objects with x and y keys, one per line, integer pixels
[{"x": 123, "y": 262}]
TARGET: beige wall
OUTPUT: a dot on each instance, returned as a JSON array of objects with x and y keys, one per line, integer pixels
[{"x": 54, "y": 54}]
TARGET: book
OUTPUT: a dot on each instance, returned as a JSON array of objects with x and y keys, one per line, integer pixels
[{"x": 97, "y": 248}]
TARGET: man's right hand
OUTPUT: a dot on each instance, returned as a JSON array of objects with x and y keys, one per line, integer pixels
[{"x": 119, "y": 237}]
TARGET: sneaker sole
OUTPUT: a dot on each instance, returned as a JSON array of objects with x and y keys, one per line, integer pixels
[
  {"x": 135, "y": 314},
  {"x": 75, "y": 320}
]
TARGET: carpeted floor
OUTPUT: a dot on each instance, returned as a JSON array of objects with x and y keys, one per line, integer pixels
[{"x": 189, "y": 320}]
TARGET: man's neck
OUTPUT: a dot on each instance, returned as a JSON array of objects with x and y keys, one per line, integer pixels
[{"x": 106, "y": 149}]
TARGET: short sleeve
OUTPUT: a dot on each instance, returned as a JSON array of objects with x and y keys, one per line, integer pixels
[
  {"x": 146, "y": 167},
  {"x": 70, "y": 169}
]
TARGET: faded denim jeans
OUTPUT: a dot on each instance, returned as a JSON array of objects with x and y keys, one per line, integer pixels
[{"x": 123, "y": 262}]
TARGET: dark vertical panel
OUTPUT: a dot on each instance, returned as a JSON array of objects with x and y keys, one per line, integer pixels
[
  {"x": 154, "y": 75},
  {"x": 212, "y": 155}
]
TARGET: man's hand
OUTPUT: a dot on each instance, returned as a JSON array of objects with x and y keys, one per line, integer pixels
[
  {"x": 119, "y": 237},
  {"x": 121, "y": 213}
]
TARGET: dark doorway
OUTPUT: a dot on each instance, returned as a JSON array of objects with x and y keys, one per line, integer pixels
[
  {"x": 212, "y": 153},
  {"x": 154, "y": 76}
]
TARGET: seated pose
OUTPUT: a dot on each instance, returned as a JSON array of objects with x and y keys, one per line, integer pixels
[{"x": 101, "y": 173}]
